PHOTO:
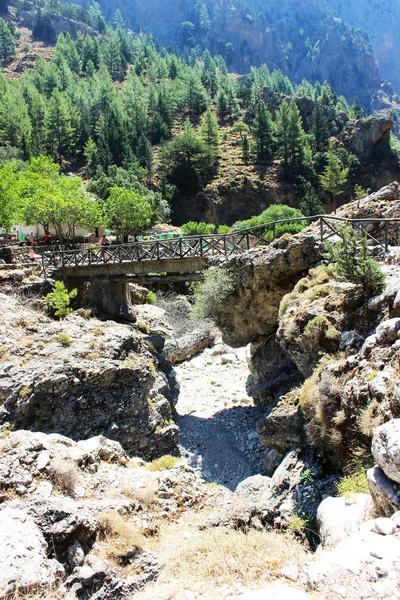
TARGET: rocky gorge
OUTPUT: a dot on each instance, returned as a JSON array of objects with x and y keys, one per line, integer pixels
[{"x": 157, "y": 460}]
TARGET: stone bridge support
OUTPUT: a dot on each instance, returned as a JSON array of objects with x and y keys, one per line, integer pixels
[{"x": 110, "y": 295}]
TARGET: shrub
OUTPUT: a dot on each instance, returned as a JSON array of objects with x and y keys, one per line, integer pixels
[
  {"x": 353, "y": 262},
  {"x": 59, "y": 300},
  {"x": 65, "y": 474},
  {"x": 211, "y": 295},
  {"x": 353, "y": 484},
  {"x": 151, "y": 298},
  {"x": 143, "y": 327},
  {"x": 119, "y": 537},
  {"x": 193, "y": 228},
  {"x": 163, "y": 463},
  {"x": 275, "y": 212},
  {"x": 64, "y": 339},
  {"x": 223, "y": 229}
]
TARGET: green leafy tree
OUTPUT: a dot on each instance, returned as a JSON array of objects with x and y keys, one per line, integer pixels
[
  {"x": 195, "y": 97},
  {"x": 127, "y": 213},
  {"x": 59, "y": 300},
  {"x": 263, "y": 131},
  {"x": 353, "y": 262},
  {"x": 187, "y": 159},
  {"x": 310, "y": 204},
  {"x": 222, "y": 105},
  {"x": 334, "y": 177},
  {"x": 9, "y": 198}
]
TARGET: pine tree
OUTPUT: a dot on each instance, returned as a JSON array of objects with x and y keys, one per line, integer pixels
[
  {"x": 222, "y": 105},
  {"x": 195, "y": 100},
  {"x": 319, "y": 130},
  {"x": 356, "y": 109},
  {"x": 282, "y": 132},
  {"x": 209, "y": 131},
  {"x": 59, "y": 126},
  {"x": 245, "y": 148},
  {"x": 145, "y": 153},
  {"x": 297, "y": 138},
  {"x": 334, "y": 177},
  {"x": 7, "y": 42},
  {"x": 263, "y": 131}
]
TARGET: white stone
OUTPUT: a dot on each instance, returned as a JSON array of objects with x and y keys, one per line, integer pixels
[
  {"x": 340, "y": 517},
  {"x": 227, "y": 358},
  {"x": 42, "y": 460},
  {"x": 23, "y": 554},
  {"x": 386, "y": 448},
  {"x": 384, "y": 526}
]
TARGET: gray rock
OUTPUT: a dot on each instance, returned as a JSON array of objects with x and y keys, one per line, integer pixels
[
  {"x": 385, "y": 494},
  {"x": 23, "y": 554},
  {"x": 253, "y": 488},
  {"x": 338, "y": 518},
  {"x": 75, "y": 555},
  {"x": 388, "y": 332},
  {"x": 386, "y": 448}
]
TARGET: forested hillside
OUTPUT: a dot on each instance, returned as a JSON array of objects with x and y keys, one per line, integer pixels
[
  {"x": 301, "y": 39},
  {"x": 180, "y": 131}
]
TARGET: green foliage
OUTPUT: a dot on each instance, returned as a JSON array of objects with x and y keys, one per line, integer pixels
[
  {"x": 334, "y": 177},
  {"x": 187, "y": 159},
  {"x": 193, "y": 228},
  {"x": 211, "y": 295},
  {"x": 151, "y": 298},
  {"x": 263, "y": 131},
  {"x": 224, "y": 229},
  {"x": 356, "y": 483},
  {"x": 7, "y": 42},
  {"x": 163, "y": 463},
  {"x": 353, "y": 262},
  {"x": 59, "y": 300},
  {"x": 127, "y": 213},
  {"x": 209, "y": 132},
  {"x": 290, "y": 134},
  {"x": 275, "y": 212}
]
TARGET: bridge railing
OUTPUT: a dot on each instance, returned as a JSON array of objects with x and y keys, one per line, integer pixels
[{"x": 380, "y": 231}]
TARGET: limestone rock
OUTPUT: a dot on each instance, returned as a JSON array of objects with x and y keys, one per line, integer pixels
[
  {"x": 282, "y": 428},
  {"x": 386, "y": 448},
  {"x": 80, "y": 378},
  {"x": 338, "y": 518},
  {"x": 253, "y": 488},
  {"x": 264, "y": 277},
  {"x": 272, "y": 371},
  {"x": 155, "y": 318},
  {"x": 23, "y": 554},
  {"x": 388, "y": 332},
  {"x": 186, "y": 346},
  {"x": 385, "y": 493}
]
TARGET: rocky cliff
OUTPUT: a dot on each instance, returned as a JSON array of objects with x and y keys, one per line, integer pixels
[
  {"x": 354, "y": 388},
  {"x": 308, "y": 43}
]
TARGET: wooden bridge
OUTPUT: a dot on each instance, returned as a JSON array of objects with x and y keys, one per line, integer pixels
[{"x": 109, "y": 269}]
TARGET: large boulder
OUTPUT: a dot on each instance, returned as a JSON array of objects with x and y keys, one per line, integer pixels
[
  {"x": 264, "y": 276},
  {"x": 385, "y": 493},
  {"x": 82, "y": 378},
  {"x": 338, "y": 518},
  {"x": 23, "y": 555},
  {"x": 386, "y": 448}
]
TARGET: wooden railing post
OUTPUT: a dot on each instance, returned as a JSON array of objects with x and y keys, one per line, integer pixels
[
  {"x": 225, "y": 245},
  {"x": 248, "y": 240},
  {"x": 201, "y": 247},
  {"x": 321, "y": 229},
  {"x": 273, "y": 231},
  {"x": 158, "y": 249},
  {"x": 386, "y": 236}
]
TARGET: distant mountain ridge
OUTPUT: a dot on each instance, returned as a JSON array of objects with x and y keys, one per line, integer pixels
[{"x": 304, "y": 39}]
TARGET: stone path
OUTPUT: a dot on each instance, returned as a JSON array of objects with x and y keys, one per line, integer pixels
[{"x": 216, "y": 416}]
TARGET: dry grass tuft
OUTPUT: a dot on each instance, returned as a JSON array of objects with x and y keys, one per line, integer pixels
[
  {"x": 369, "y": 418},
  {"x": 163, "y": 463},
  {"x": 224, "y": 556},
  {"x": 145, "y": 495},
  {"x": 39, "y": 593},
  {"x": 120, "y": 538},
  {"x": 65, "y": 475}
]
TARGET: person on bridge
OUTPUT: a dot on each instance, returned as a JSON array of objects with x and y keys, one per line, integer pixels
[{"x": 104, "y": 242}]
